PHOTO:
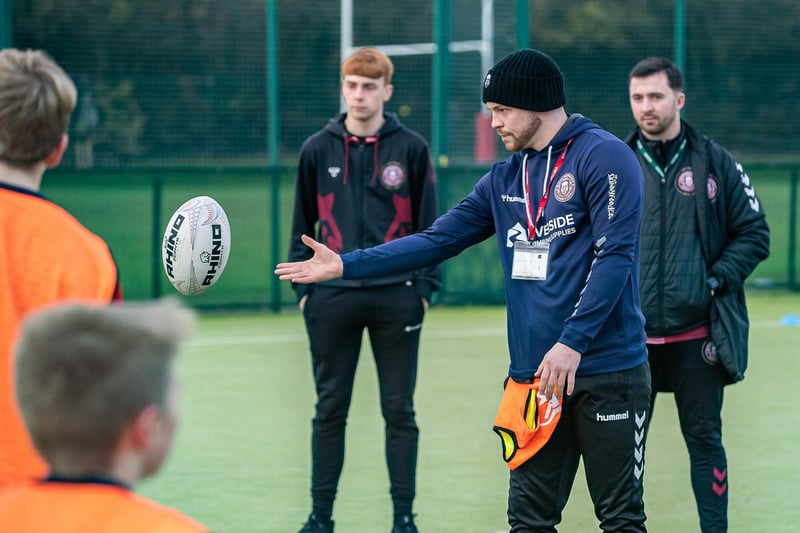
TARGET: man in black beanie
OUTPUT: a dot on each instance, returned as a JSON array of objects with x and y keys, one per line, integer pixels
[{"x": 566, "y": 209}]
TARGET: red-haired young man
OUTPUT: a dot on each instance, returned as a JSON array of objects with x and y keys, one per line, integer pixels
[{"x": 364, "y": 179}]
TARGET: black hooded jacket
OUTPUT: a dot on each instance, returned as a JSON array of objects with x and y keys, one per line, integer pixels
[{"x": 357, "y": 192}]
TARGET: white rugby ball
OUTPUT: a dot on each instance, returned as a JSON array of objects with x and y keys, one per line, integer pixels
[{"x": 197, "y": 243}]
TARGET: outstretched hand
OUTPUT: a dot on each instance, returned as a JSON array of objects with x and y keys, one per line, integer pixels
[{"x": 324, "y": 265}]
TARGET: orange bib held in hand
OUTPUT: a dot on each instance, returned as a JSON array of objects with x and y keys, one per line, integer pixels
[{"x": 524, "y": 421}]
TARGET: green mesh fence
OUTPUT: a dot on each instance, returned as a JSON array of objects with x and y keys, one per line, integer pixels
[{"x": 175, "y": 95}]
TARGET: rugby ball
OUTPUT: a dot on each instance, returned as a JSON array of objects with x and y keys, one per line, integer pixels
[{"x": 196, "y": 246}]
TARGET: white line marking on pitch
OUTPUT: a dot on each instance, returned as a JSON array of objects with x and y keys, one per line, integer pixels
[
  {"x": 281, "y": 339},
  {"x": 430, "y": 333}
]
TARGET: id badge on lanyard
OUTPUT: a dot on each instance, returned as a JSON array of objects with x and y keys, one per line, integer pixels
[
  {"x": 532, "y": 257},
  {"x": 530, "y": 260}
]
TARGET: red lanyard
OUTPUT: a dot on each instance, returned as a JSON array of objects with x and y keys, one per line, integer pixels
[{"x": 532, "y": 224}]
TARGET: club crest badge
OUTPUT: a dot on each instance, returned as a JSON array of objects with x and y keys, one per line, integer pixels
[
  {"x": 565, "y": 187},
  {"x": 685, "y": 182},
  {"x": 709, "y": 352},
  {"x": 713, "y": 188},
  {"x": 393, "y": 176}
]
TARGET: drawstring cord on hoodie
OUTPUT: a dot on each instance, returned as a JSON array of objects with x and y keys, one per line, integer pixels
[
  {"x": 373, "y": 139},
  {"x": 532, "y": 222},
  {"x": 526, "y": 190},
  {"x": 546, "y": 168}
]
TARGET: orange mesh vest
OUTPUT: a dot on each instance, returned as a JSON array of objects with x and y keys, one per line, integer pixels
[
  {"x": 525, "y": 421},
  {"x": 81, "y": 507},
  {"x": 46, "y": 256}
]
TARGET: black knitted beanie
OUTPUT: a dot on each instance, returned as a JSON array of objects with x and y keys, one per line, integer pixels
[{"x": 525, "y": 79}]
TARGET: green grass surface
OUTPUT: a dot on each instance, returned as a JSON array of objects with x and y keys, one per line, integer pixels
[{"x": 241, "y": 463}]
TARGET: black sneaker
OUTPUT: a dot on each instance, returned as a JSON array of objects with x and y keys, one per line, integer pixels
[
  {"x": 318, "y": 525},
  {"x": 404, "y": 524}
]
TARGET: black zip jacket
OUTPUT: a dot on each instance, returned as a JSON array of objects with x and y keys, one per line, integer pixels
[
  {"x": 358, "y": 192},
  {"x": 729, "y": 236}
]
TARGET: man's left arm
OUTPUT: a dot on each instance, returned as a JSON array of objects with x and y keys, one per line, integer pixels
[
  {"x": 615, "y": 196},
  {"x": 746, "y": 228}
]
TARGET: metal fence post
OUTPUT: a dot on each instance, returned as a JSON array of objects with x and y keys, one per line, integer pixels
[
  {"x": 274, "y": 238},
  {"x": 523, "y": 24},
  {"x": 6, "y": 27},
  {"x": 157, "y": 234},
  {"x": 273, "y": 92},
  {"x": 680, "y": 35},
  {"x": 793, "y": 231},
  {"x": 441, "y": 85}
]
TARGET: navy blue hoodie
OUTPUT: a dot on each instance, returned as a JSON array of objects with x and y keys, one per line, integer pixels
[{"x": 590, "y": 299}]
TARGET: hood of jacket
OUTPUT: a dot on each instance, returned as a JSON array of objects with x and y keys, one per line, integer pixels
[
  {"x": 575, "y": 124},
  {"x": 335, "y": 126}
]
